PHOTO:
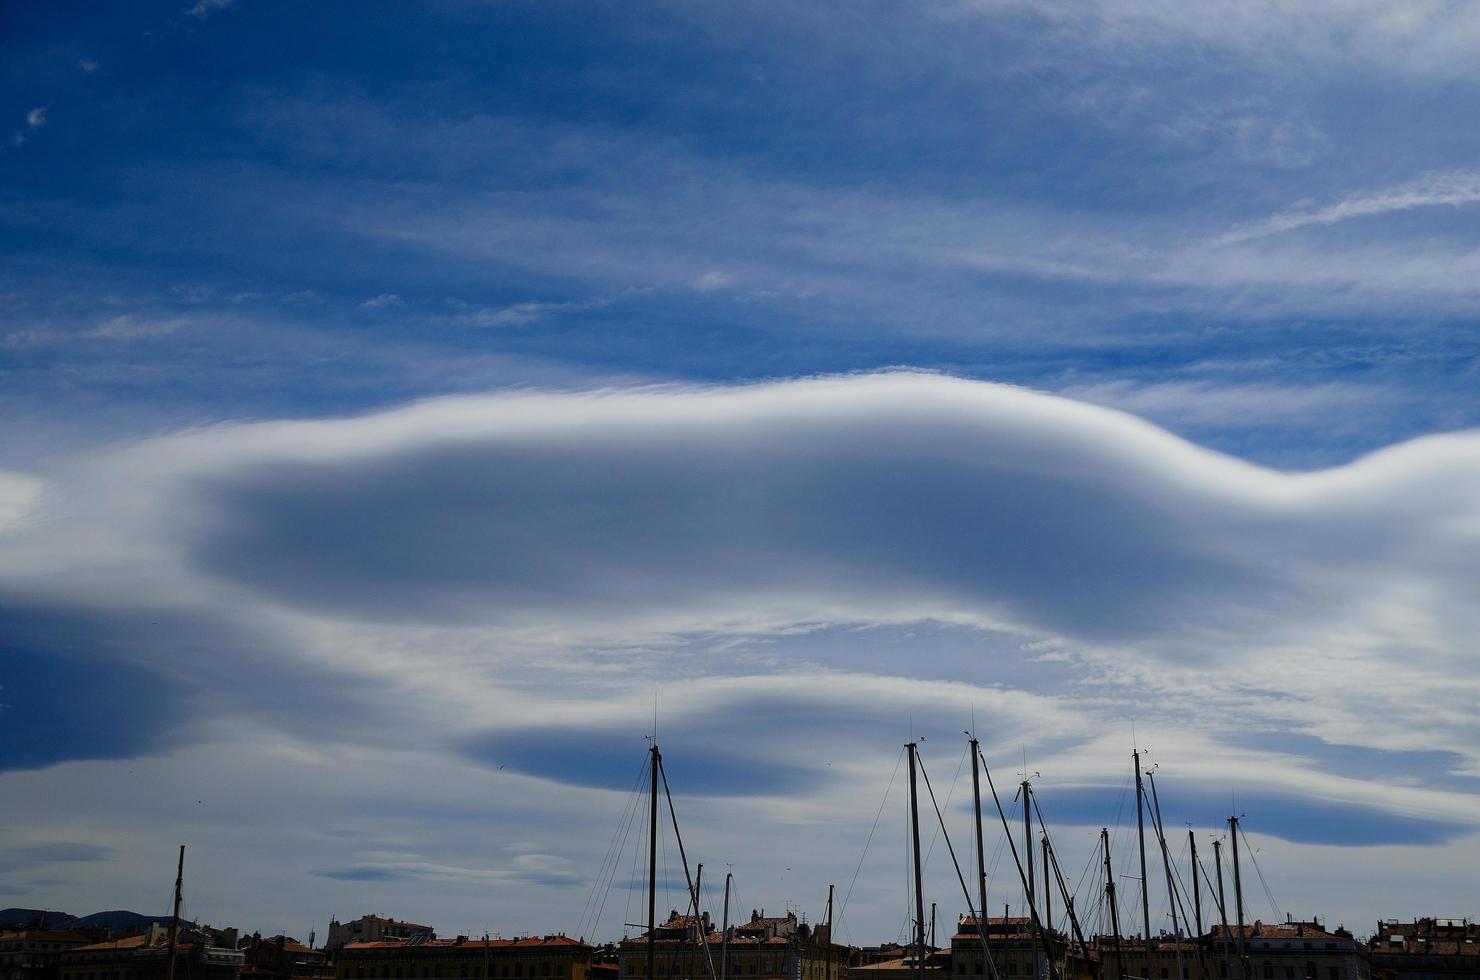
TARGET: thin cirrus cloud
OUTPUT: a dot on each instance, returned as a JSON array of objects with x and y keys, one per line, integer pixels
[{"x": 1450, "y": 189}]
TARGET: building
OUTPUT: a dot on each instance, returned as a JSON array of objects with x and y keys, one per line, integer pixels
[
  {"x": 1289, "y": 950},
  {"x": 35, "y": 954},
  {"x": 282, "y": 958},
  {"x": 1015, "y": 949},
  {"x": 375, "y": 929},
  {"x": 554, "y": 957},
  {"x": 764, "y": 948},
  {"x": 147, "y": 957},
  {"x": 1425, "y": 949}
]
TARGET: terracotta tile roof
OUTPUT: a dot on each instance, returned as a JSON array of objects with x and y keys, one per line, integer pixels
[
  {"x": 523, "y": 942},
  {"x": 127, "y": 942}
]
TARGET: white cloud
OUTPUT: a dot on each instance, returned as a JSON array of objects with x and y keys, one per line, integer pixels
[
  {"x": 36, "y": 118},
  {"x": 19, "y": 495},
  {"x": 518, "y": 314},
  {"x": 1452, "y": 189},
  {"x": 204, "y": 8},
  {"x": 1422, "y": 37},
  {"x": 384, "y": 299},
  {"x": 131, "y": 327},
  {"x": 88, "y": 65},
  {"x": 712, "y": 281},
  {"x": 466, "y": 581}
]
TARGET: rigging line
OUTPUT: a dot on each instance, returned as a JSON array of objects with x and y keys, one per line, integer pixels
[
  {"x": 844, "y": 907},
  {"x": 617, "y": 858},
  {"x": 1262, "y": 883},
  {"x": 1053, "y": 860},
  {"x": 693, "y": 892},
  {"x": 1022, "y": 876},
  {"x": 642, "y": 822},
  {"x": 981, "y": 925},
  {"x": 1176, "y": 881},
  {"x": 612, "y": 855}
]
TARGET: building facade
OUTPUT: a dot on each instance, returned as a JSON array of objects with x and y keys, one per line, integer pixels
[
  {"x": 1425, "y": 949},
  {"x": 554, "y": 957},
  {"x": 375, "y": 929},
  {"x": 35, "y": 954},
  {"x": 765, "y": 948},
  {"x": 147, "y": 957},
  {"x": 1290, "y": 950}
]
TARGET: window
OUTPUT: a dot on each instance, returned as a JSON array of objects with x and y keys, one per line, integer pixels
[
  {"x": 1310, "y": 970},
  {"x": 1289, "y": 973},
  {"x": 1268, "y": 970},
  {"x": 1163, "y": 973}
]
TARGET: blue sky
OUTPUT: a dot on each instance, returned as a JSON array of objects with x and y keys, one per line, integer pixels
[{"x": 394, "y": 398}]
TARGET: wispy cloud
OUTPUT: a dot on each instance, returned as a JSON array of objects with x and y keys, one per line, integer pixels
[
  {"x": 518, "y": 314},
  {"x": 1452, "y": 189},
  {"x": 133, "y": 327},
  {"x": 383, "y": 300},
  {"x": 204, "y": 8},
  {"x": 36, "y": 118}
]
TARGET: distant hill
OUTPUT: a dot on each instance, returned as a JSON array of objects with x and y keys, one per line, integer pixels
[
  {"x": 122, "y": 920},
  {"x": 9, "y": 918},
  {"x": 119, "y": 920}
]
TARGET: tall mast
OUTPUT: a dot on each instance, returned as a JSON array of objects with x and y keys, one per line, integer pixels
[
  {"x": 1222, "y": 904},
  {"x": 1027, "y": 789},
  {"x": 981, "y": 858},
  {"x": 827, "y": 973},
  {"x": 1166, "y": 862},
  {"x": 1196, "y": 888},
  {"x": 175, "y": 915},
  {"x": 1047, "y": 889},
  {"x": 1238, "y": 892},
  {"x": 652, "y": 950},
  {"x": 919, "y": 885},
  {"x": 1141, "y": 843},
  {"x": 724, "y": 936},
  {"x": 1114, "y": 908}
]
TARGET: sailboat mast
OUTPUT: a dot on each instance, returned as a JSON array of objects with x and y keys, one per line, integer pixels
[
  {"x": 1047, "y": 889},
  {"x": 1114, "y": 908},
  {"x": 175, "y": 915},
  {"x": 724, "y": 936},
  {"x": 981, "y": 858},
  {"x": 1141, "y": 843},
  {"x": 1166, "y": 862},
  {"x": 1196, "y": 888},
  {"x": 652, "y": 949},
  {"x": 1028, "y": 890},
  {"x": 827, "y": 972},
  {"x": 1238, "y": 893},
  {"x": 1222, "y": 904},
  {"x": 919, "y": 885}
]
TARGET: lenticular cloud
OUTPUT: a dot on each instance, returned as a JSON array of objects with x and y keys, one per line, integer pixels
[{"x": 874, "y": 499}]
